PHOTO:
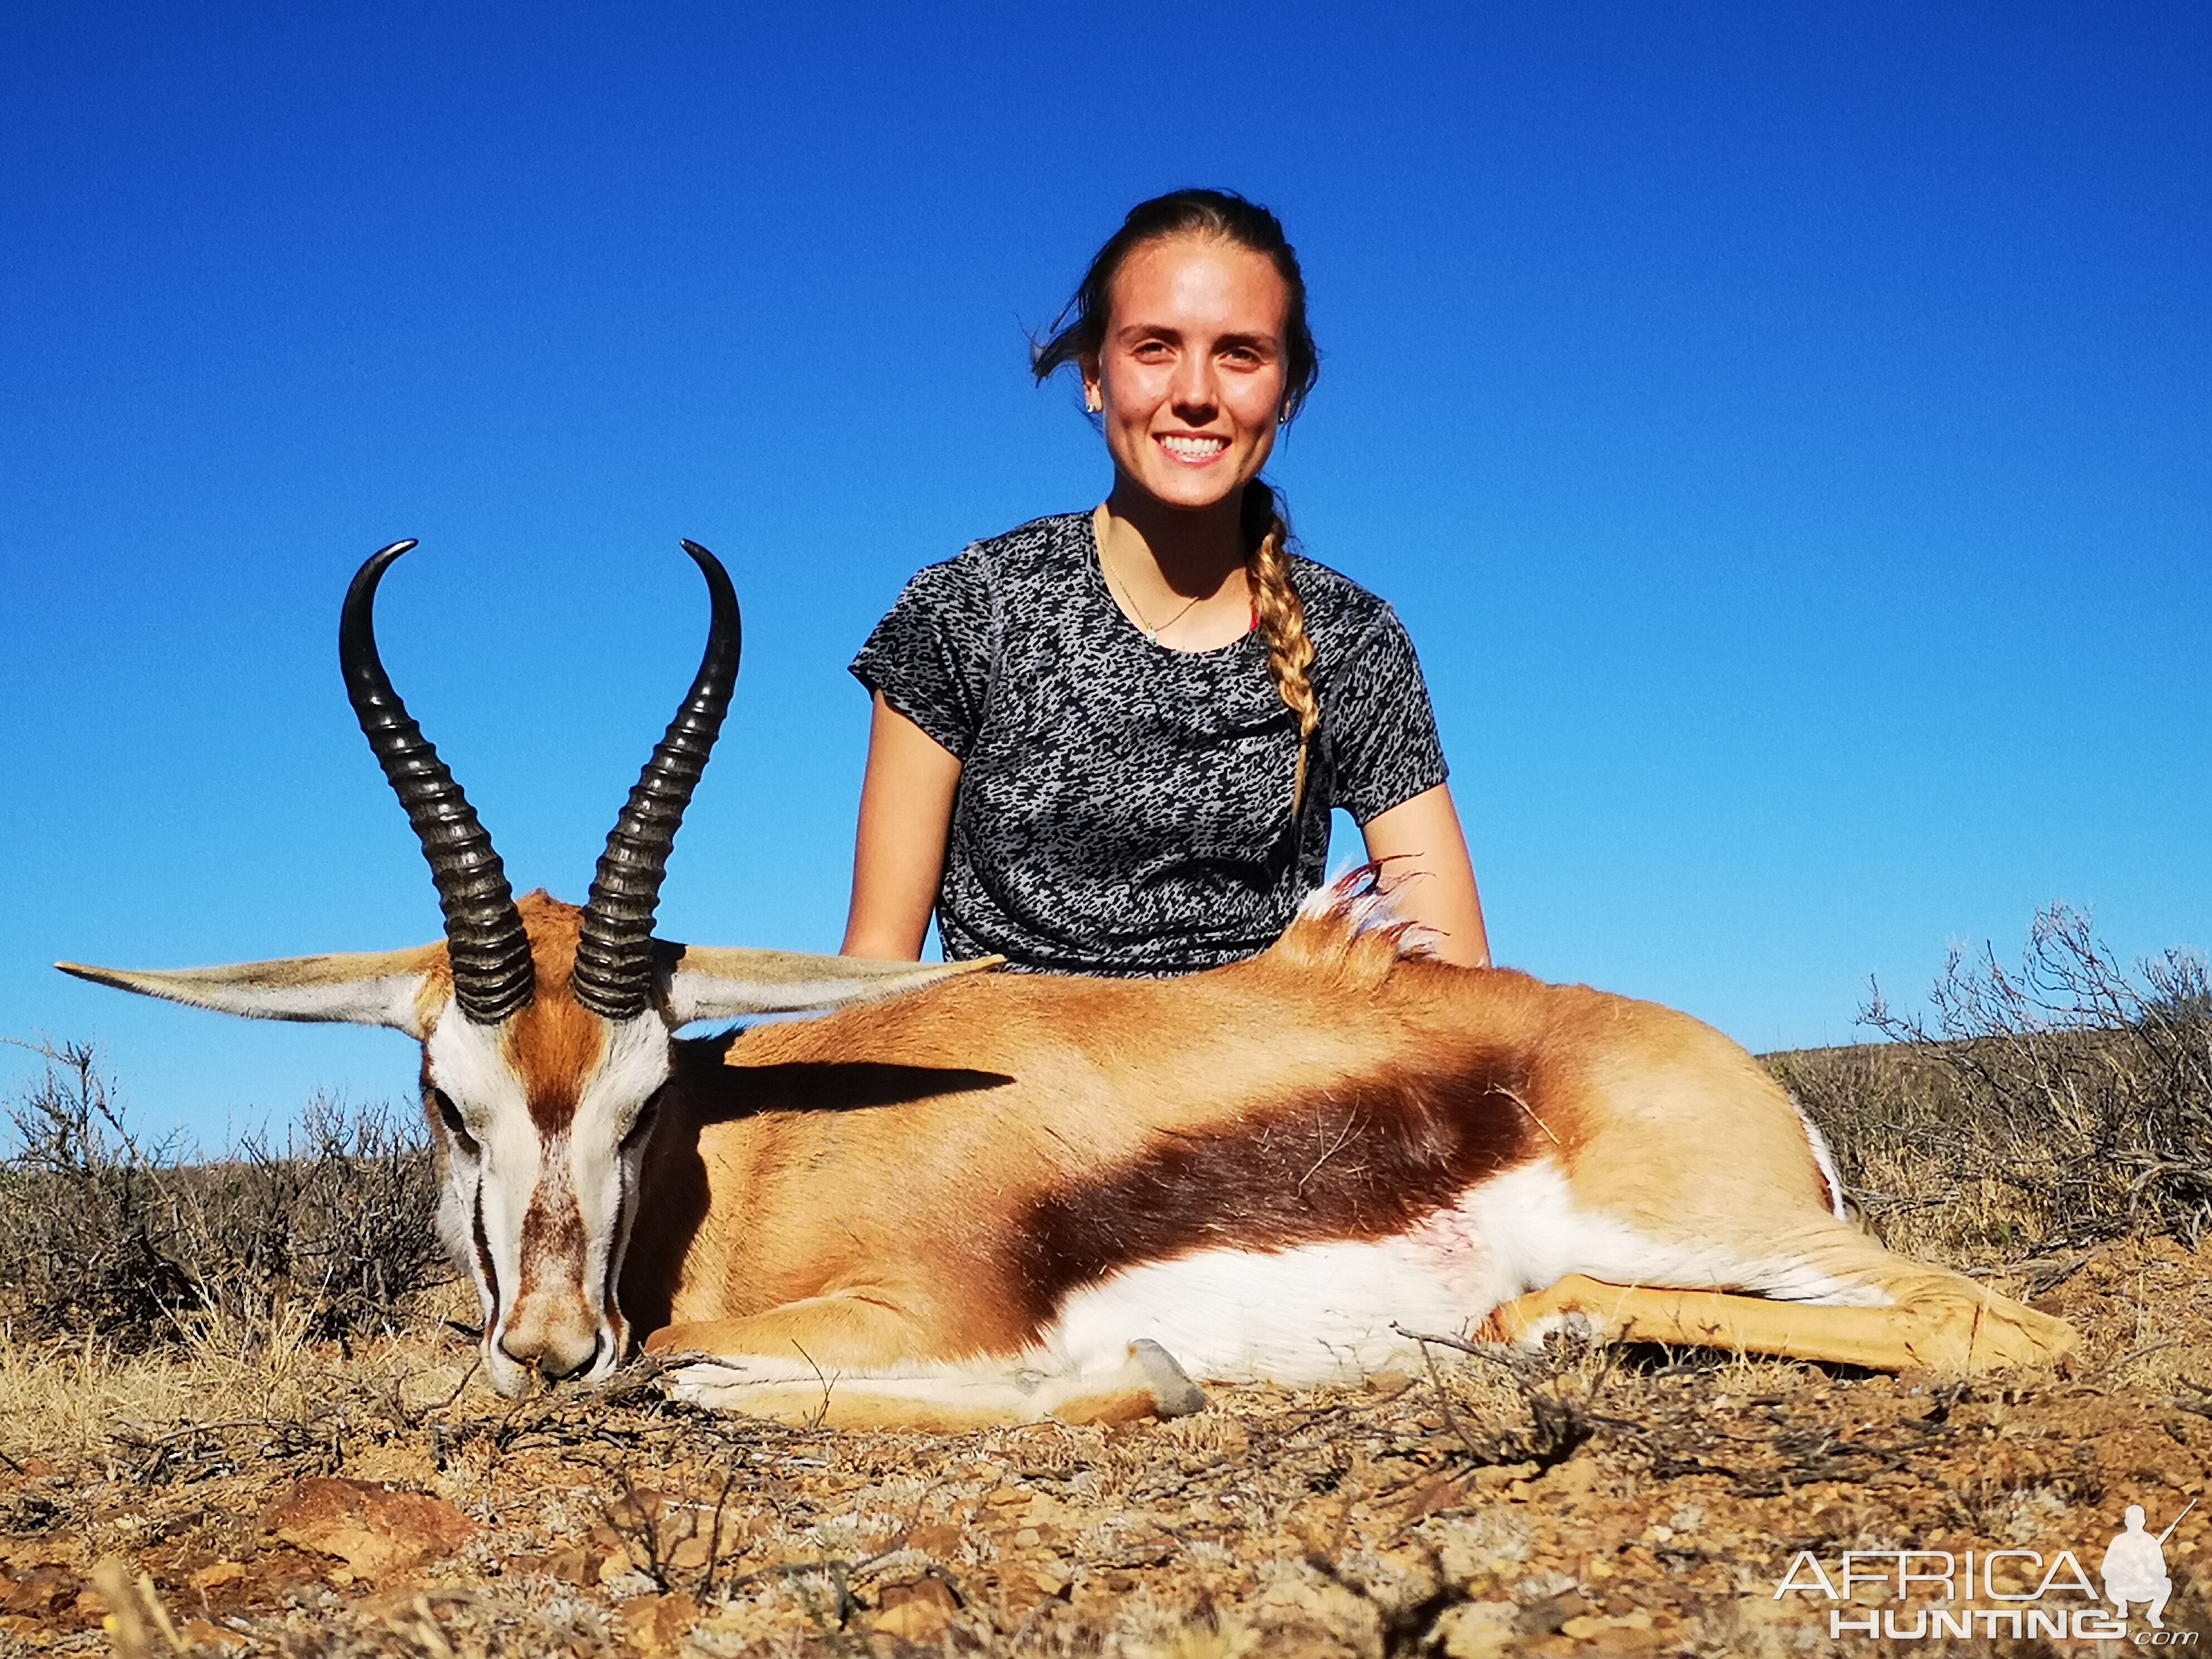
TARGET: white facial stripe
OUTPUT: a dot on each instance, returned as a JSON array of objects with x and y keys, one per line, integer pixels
[
  {"x": 469, "y": 1064},
  {"x": 634, "y": 1064}
]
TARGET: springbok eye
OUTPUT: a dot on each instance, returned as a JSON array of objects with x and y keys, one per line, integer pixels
[
  {"x": 640, "y": 1128},
  {"x": 450, "y": 1115}
]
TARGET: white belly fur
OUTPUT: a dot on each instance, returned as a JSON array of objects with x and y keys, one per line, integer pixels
[{"x": 1324, "y": 1313}]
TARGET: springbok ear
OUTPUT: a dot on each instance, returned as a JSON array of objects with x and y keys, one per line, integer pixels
[
  {"x": 374, "y": 987},
  {"x": 709, "y": 981}
]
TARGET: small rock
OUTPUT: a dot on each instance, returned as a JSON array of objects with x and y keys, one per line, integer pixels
[
  {"x": 1433, "y": 1496},
  {"x": 918, "y": 1611},
  {"x": 374, "y": 1529},
  {"x": 656, "y": 1624},
  {"x": 939, "y": 1540},
  {"x": 1552, "y": 1613},
  {"x": 690, "y": 1553},
  {"x": 219, "y": 1573},
  {"x": 39, "y": 1589},
  {"x": 1479, "y": 1630},
  {"x": 1578, "y": 1479},
  {"x": 202, "y": 1634},
  {"x": 1492, "y": 1476}
]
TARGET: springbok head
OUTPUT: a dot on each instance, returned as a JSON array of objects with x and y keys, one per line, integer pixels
[{"x": 546, "y": 1030}]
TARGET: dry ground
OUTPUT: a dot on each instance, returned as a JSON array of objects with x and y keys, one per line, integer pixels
[
  {"x": 250, "y": 1481},
  {"x": 1637, "y": 1502}
]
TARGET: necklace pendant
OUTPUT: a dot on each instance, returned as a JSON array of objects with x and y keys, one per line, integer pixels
[{"x": 1152, "y": 636}]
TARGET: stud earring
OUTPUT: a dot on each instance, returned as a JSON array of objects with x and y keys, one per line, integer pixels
[{"x": 1092, "y": 402}]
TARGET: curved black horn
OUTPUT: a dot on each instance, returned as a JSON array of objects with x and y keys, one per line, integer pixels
[
  {"x": 614, "y": 957},
  {"x": 492, "y": 975}
]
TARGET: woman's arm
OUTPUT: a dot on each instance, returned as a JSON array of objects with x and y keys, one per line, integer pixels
[
  {"x": 898, "y": 855},
  {"x": 1429, "y": 876}
]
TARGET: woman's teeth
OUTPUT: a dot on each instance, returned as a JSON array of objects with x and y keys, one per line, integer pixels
[{"x": 1194, "y": 449}]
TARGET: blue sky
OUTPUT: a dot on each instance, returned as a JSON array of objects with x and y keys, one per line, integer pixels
[{"x": 1786, "y": 430}]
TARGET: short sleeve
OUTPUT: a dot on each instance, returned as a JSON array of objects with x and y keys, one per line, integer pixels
[
  {"x": 930, "y": 657},
  {"x": 1378, "y": 723}
]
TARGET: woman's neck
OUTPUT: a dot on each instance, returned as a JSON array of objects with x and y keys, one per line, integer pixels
[{"x": 1191, "y": 554}]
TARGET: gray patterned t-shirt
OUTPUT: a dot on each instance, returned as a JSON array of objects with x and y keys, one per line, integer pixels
[{"x": 1124, "y": 808}]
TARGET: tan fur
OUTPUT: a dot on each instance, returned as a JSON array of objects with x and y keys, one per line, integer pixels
[
  {"x": 873, "y": 1236},
  {"x": 1941, "y": 1324},
  {"x": 555, "y": 1041},
  {"x": 900, "y": 1196}
]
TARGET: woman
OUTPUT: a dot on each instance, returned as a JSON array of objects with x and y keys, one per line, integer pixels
[{"x": 1108, "y": 742}]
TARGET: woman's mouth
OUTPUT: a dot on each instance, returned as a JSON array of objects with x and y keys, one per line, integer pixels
[{"x": 1193, "y": 449}]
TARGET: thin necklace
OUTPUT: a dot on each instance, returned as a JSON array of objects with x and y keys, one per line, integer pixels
[{"x": 1136, "y": 612}]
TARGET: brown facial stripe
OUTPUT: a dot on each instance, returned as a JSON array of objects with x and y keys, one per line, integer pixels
[
  {"x": 553, "y": 1045},
  {"x": 482, "y": 1246},
  {"x": 552, "y": 1243},
  {"x": 1372, "y": 1158}
]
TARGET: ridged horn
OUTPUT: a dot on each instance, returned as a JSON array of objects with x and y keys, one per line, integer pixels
[
  {"x": 484, "y": 937},
  {"x": 614, "y": 955}
]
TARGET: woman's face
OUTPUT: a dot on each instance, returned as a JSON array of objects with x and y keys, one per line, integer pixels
[{"x": 1189, "y": 376}]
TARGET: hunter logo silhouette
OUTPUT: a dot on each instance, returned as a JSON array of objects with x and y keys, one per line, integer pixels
[{"x": 2133, "y": 1567}]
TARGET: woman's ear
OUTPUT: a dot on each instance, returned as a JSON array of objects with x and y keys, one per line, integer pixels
[{"x": 1094, "y": 385}]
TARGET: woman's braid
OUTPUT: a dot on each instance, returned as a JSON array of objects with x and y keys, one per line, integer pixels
[{"x": 1282, "y": 619}]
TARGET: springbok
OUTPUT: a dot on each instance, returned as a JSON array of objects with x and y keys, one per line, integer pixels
[{"x": 989, "y": 1197}]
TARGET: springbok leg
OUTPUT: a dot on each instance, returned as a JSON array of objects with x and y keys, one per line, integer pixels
[
  {"x": 836, "y": 1361},
  {"x": 1938, "y": 1322}
]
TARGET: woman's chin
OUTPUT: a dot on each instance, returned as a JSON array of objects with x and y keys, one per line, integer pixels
[{"x": 1190, "y": 489}]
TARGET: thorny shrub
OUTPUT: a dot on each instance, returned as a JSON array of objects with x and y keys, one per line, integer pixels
[
  {"x": 2062, "y": 1104},
  {"x": 102, "y": 1233}
]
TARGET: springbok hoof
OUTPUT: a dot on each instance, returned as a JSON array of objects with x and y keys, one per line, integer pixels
[{"x": 1178, "y": 1396}]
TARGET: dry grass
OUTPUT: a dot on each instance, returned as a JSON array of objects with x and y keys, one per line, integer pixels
[
  {"x": 142, "y": 1246},
  {"x": 89, "y": 1396},
  {"x": 2038, "y": 1110}
]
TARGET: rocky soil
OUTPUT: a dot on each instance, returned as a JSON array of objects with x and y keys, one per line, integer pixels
[{"x": 382, "y": 1502}]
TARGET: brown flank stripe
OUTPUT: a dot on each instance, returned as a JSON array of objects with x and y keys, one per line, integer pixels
[{"x": 1372, "y": 1158}]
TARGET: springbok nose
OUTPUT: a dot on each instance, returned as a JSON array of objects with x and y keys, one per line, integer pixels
[{"x": 557, "y": 1361}]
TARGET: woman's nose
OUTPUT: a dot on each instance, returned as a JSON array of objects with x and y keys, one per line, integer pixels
[{"x": 1193, "y": 392}]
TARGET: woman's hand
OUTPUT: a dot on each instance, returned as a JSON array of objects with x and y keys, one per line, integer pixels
[
  {"x": 1430, "y": 877},
  {"x": 898, "y": 856}
]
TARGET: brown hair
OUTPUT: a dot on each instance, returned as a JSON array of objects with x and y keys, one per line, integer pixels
[{"x": 1079, "y": 332}]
